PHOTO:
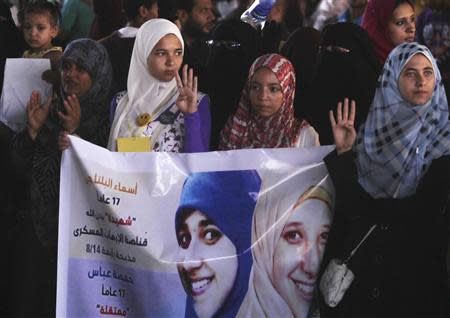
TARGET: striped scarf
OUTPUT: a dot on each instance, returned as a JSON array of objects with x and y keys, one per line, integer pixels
[{"x": 246, "y": 129}]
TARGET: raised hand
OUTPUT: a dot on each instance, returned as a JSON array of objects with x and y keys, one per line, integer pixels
[
  {"x": 187, "y": 100},
  {"x": 37, "y": 113},
  {"x": 344, "y": 132},
  {"x": 71, "y": 119}
]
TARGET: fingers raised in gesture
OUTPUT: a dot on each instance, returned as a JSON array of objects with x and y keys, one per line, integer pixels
[
  {"x": 344, "y": 132},
  {"x": 188, "y": 89}
]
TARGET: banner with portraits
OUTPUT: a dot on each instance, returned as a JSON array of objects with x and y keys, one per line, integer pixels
[{"x": 223, "y": 234}]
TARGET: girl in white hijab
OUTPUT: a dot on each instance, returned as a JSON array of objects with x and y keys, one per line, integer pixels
[
  {"x": 158, "y": 105},
  {"x": 289, "y": 233}
]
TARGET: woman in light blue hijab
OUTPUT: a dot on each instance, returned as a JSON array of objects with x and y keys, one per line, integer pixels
[
  {"x": 402, "y": 136},
  {"x": 398, "y": 186}
]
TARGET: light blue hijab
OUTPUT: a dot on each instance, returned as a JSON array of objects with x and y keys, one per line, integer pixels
[{"x": 398, "y": 142}]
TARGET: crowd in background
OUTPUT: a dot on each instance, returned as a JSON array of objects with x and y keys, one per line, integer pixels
[{"x": 191, "y": 76}]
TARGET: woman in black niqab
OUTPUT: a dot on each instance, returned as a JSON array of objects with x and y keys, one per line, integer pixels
[
  {"x": 302, "y": 49},
  {"x": 348, "y": 67}
]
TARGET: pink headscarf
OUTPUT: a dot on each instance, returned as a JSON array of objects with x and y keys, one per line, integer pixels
[{"x": 375, "y": 21}]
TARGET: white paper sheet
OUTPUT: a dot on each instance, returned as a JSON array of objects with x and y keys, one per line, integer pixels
[{"x": 22, "y": 76}]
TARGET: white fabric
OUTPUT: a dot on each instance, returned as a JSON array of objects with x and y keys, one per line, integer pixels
[
  {"x": 308, "y": 137},
  {"x": 226, "y": 7},
  {"x": 328, "y": 9},
  {"x": 270, "y": 217},
  {"x": 128, "y": 32},
  {"x": 145, "y": 94}
]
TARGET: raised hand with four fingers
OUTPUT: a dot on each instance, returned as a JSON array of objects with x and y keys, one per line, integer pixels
[
  {"x": 344, "y": 132},
  {"x": 188, "y": 88}
]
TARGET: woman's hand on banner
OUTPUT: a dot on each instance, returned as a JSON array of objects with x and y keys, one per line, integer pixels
[
  {"x": 63, "y": 140},
  {"x": 344, "y": 132}
]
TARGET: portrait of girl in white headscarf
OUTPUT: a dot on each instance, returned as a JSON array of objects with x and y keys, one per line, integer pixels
[
  {"x": 289, "y": 232},
  {"x": 159, "y": 106}
]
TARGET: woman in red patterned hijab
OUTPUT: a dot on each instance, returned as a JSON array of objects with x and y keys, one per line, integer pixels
[
  {"x": 388, "y": 24},
  {"x": 265, "y": 114}
]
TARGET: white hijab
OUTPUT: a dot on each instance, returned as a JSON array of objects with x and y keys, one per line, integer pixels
[
  {"x": 274, "y": 207},
  {"x": 145, "y": 94}
]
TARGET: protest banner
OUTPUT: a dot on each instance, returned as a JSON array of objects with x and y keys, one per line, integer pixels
[{"x": 236, "y": 233}]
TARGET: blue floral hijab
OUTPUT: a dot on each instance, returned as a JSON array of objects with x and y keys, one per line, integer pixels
[
  {"x": 399, "y": 141},
  {"x": 228, "y": 198}
]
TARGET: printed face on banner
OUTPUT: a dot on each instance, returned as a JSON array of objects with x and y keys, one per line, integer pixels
[
  {"x": 298, "y": 254},
  {"x": 206, "y": 275},
  {"x": 183, "y": 239}
]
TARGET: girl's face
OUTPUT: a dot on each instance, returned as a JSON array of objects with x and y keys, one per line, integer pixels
[
  {"x": 165, "y": 59},
  {"x": 266, "y": 94},
  {"x": 298, "y": 254},
  {"x": 402, "y": 25},
  {"x": 208, "y": 263},
  {"x": 417, "y": 80},
  {"x": 75, "y": 80},
  {"x": 38, "y": 31}
]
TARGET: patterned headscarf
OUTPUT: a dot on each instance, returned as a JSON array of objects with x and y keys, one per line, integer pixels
[
  {"x": 399, "y": 141},
  {"x": 375, "y": 21},
  {"x": 249, "y": 130},
  {"x": 94, "y": 128},
  {"x": 92, "y": 57}
]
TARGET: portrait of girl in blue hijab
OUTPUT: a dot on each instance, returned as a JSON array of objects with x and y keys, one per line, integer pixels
[{"x": 213, "y": 227}]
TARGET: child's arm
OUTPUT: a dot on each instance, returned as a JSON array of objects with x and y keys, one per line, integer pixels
[
  {"x": 51, "y": 76},
  {"x": 55, "y": 57}
]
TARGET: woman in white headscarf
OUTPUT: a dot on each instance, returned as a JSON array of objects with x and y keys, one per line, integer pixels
[
  {"x": 289, "y": 233},
  {"x": 158, "y": 104}
]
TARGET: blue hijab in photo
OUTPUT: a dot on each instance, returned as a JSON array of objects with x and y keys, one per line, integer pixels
[
  {"x": 228, "y": 198},
  {"x": 398, "y": 142}
]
